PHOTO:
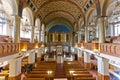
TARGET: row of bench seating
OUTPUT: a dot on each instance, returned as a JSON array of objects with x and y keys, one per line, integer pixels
[
  {"x": 43, "y": 71},
  {"x": 74, "y": 71}
]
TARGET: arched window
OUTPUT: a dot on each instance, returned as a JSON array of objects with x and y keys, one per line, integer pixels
[
  {"x": 114, "y": 19},
  {"x": 117, "y": 27},
  {"x": 4, "y": 21}
]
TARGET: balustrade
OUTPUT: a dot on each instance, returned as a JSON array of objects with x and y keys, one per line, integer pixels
[
  {"x": 105, "y": 48},
  {"x": 13, "y": 48},
  {"x": 8, "y": 49},
  {"x": 110, "y": 48}
]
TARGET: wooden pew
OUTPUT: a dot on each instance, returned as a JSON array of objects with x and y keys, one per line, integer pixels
[
  {"x": 84, "y": 78},
  {"x": 40, "y": 75},
  {"x": 38, "y": 72},
  {"x": 34, "y": 69},
  {"x": 77, "y": 72},
  {"x": 34, "y": 79}
]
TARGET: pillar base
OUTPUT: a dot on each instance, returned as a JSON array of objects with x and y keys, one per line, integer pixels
[
  {"x": 87, "y": 65},
  {"x": 103, "y": 77},
  {"x": 15, "y": 78}
]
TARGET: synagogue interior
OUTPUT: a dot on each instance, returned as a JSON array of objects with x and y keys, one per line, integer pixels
[{"x": 59, "y": 39}]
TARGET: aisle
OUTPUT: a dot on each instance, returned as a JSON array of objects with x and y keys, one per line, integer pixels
[{"x": 60, "y": 72}]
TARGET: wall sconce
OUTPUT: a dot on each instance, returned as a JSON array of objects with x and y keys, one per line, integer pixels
[
  {"x": 36, "y": 45},
  {"x": 23, "y": 50},
  {"x": 23, "y": 47},
  {"x": 71, "y": 72},
  {"x": 49, "y": 72}
]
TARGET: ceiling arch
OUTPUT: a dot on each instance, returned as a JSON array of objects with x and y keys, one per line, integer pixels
[
  {"x": 59, "y": 13},
  {"x": 59, "y": 21},
  {"x": 48, "y": 7},
  {"x": 69, "y": 1},
  {"x": 28, "y": 13}
]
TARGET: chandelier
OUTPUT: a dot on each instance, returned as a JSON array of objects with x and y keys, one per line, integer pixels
[{"x": 26, "y": 27}]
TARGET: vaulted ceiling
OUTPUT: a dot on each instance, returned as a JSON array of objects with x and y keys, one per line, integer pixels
[{"x": 69, "y": 9}]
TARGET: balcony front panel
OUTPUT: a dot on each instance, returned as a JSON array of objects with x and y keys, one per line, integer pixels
[{"x": 8, "y": 49}]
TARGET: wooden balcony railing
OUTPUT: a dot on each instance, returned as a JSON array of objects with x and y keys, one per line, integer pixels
[
  {"x": 80, "y": 45},
  {"x": 13, "y": 48},
  {"x": 91, "y": 46},
  {"x": 29, "y": 46},
  {"x": 8, "y": 49},
  {"x": 110, "y": 49},
  {"x": 105, "y": 48}
]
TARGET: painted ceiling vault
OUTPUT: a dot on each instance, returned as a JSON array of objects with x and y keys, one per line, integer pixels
[{"x": 71, "y": 10}]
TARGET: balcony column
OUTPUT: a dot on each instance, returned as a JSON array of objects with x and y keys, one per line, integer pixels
[
  {"x": 80, "y": 57},
  {"x": 87, "y": 64},
  {"x": 16, "y": 29},
  {"x": 32, "y": 34},
  {"x": 103, "y": 68},
  {"x": 101, "y": 29},
  {"x": 31, "y": 58},
  {"x": 15, "y": 69},
  {"x": 39, "y": 54},
  {"x": 79, "y": 37},
  {"x": 39, "y": 40},
  {"x": 86, "y": 34}
]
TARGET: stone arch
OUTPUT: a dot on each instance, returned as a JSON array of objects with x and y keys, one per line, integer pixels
[
  {"x": 80, "y": 23},
  {"x": 105, "y": 5},
  {"x": 59, "y": 20},
  {"x": 90, "y": 10},
  {"x": 13, "y": 4},
  {"x": 38, "y": 23},
  {"x": 28, "y": 12}
]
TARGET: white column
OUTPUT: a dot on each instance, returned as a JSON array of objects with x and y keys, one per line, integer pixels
[
  {"x": 86, "y": 57},
  {"x": 42, "y": 36},
  {"x": 80, "y": 53},
  {"x": 32, "y": 35},
  {"x": 16, "y": 29},
  {"x": 86, "y": 34},
  {"x": 103, "y": 66},
  {"x": 87, "y": 63},
  {"x": 39, "y": 40},
  {"x": 111, "y": 30},
  {"x": 14, "y": 67},
  {"x": 42, "y": 32},
  {"x": 79, "y": 37},
  {"x": 75, "y": 50},
  {"x": 101, "y": 29},
  {"x": 31, "y": 58},
  {"x": 39, "y": 53},
  {"x": 97, "y": 35}
]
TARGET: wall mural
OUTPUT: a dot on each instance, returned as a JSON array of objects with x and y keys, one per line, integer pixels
[{"x": 60, "y": 29}]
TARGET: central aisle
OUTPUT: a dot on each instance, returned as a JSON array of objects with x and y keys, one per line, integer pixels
[{"x": 60, "y": 72}]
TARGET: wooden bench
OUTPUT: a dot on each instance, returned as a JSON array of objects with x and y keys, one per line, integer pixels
[
  {"x": 85, "y": 78},
  {"x": 34, "y": 69},
  {"x": 40, "y": 76},
  {"x": 38, "y": 72},
  {"x": 77, "y": 72},
  {"x": 34, "y": 79}
]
